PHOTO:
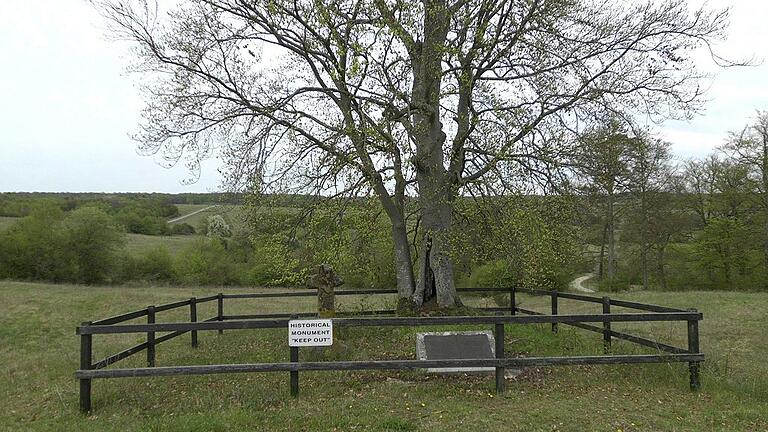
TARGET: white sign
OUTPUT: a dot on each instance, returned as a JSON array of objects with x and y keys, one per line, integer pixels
[{"x": 317, "y": 332}]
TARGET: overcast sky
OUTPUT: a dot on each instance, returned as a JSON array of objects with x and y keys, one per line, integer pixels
[{"x": 68, "y": 105}]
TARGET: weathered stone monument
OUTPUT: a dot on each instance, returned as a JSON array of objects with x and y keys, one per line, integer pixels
[{"x": 324, "y": 279}]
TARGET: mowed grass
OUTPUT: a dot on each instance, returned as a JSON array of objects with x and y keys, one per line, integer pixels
[{"x": 39, "y": 353}]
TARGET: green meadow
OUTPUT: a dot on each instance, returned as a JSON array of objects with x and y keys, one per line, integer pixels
[{"x": 40, "y": 353}]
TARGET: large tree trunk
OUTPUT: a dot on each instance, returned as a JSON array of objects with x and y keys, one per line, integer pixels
[
  {"x": 436, "y": 191},
  {"x": 436, "y": 198},
  {"x": 403, "y": 264},
  {"x": 393, "y": 206},
  {"x": 435, "y": 269}
]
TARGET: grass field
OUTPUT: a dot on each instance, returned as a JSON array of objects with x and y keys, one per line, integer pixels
[
  {"x": 190, "y": 208},
  {"x": 140, "y": 244},
  {"x": 5, "y": 222},
  {"x": 198, "y": 218},
  {"x": 233, "y": 213},
  {"x": 39, "y": 353}
]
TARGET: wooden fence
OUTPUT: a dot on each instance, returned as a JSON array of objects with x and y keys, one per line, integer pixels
[{"x": 90, "y": 370}]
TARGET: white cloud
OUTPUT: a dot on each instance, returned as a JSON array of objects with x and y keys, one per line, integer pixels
[
  {"x": 735, "y": 93},
  {"x": 68, "y": 106}
]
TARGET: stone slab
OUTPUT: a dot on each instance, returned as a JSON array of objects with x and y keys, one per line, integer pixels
[{"x": 456, "y": 345}]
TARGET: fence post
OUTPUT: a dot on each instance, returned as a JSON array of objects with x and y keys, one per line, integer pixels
[
  {"x": 220, "y": 312},
  {"x": 606, "y": 326},
  {"x": 554, "y": 310},
  {"x": 693, "y": 348},
  {"x": 294, "y": 374},
  {"x": 193, "y": 318},
  {"x": 499, "y": 339},
  {"x": 150, "y": 337},
  {"x": 86, "y": 356},
  {"x": 512, "y": 301}
]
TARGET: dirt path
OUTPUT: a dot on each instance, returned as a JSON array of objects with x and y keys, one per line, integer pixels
[
  {"x": 578, "y": 283},
  {"x": 181, "y": 218}
]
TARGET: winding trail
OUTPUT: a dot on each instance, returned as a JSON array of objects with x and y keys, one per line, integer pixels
[
  {"x": 181, "y": 218},
  {"x": 578, "y": 283}
]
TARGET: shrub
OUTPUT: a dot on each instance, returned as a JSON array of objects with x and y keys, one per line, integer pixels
[
  {"x": 218, "y": 227},
  {"x": 94, "y": 242},
  {"x": 156, "y": 265},
  {"x": 722, "y": 251},
  {"x": 620, "y": 282},
  {"x": 494, "y": 274},
  {"x": 182, "y": 229},
  {"x": 355, "y": 240},
  {"x": 273, "y": 265},
  {"x": 536, "y": 240},
  {"x": 84, "y": 247},
  {"x": 35, "y": 247},
  {"x": 138, "y": 222},
  {"x": 206, "y": 262},
  {"x": 724, "y": 255}
]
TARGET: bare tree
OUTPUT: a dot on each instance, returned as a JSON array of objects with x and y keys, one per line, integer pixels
[{"x": 396, "y": 98}]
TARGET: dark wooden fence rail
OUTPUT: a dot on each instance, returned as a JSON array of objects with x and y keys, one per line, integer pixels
[
  {"x": 150, "y": 312},
  {"x": 114, "y": 325}
]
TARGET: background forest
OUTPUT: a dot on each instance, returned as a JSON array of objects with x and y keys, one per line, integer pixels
[{"x": 627, "y": 212}]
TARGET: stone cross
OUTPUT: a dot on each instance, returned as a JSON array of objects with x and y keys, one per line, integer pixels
[{"x": 324, "y": 279}]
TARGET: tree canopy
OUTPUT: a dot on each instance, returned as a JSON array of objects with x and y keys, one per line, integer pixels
[{"x": 431, "y": 99}]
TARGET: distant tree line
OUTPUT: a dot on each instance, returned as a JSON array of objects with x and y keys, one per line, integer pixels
[
  {"x": 137, "y": 213},
  {"x": 83, "y": 246},
  {"x": 88, "y": 245},
  {"x": 627, "y": 210},
  {"x": 279, "y": 244},
  {"x": 695, "y": 224}
]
